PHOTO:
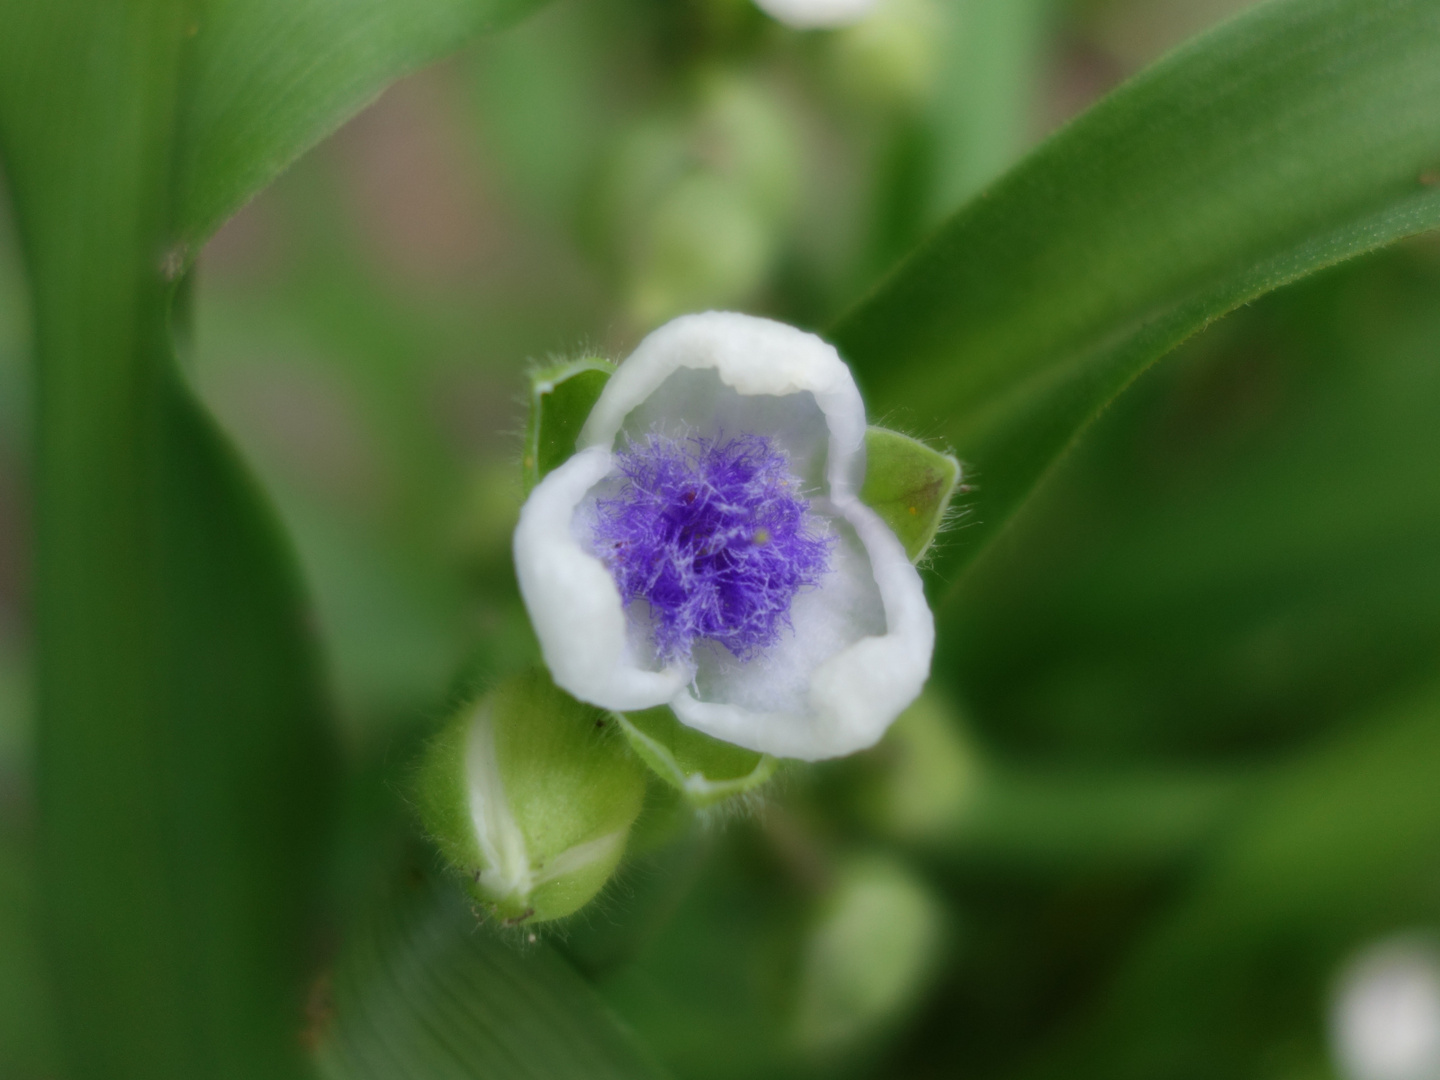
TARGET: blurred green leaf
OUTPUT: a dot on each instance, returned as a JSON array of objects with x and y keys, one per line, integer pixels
[
  {"x": 28, "y": 1047},
  {"x": 1300, "y": 134},
  {"x": 909, "y": 485},
  {"x": 428, "y": 993},
  {"x": 268, "y": 79},
  {"x": 1242, "y": 551},
  {"x": 182, "y": 747},
  {"x": 712, "y": 993},
  {"x": 1341, "y": 849},
  {"x": 991, "y": 57}
]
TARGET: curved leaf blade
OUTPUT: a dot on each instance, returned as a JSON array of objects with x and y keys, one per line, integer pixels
[
  {"x": 269, "y": 80},
  {"x": 1300, "y": 134},
  {"x": 428, "y": 993}
]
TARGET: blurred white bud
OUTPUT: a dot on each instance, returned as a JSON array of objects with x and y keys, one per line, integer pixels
[
  {"x": 1385, "y": 1020},
  {"x": 868, "y": 957},
  {"x": 816, "y": 14}
]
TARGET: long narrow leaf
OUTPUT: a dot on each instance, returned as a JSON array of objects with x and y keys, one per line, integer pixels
[
  {"x": 1295, "y": 136},
  {"x": 182, "y": 755},
  {"x": 270, "y": 78},
  {"x": 426, "y": 993}
]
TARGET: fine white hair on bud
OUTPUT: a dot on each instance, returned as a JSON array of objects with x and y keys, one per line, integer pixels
[
  {"x": 706, "y": 547},
  {"x": 816, "y": 14},
  {"x": 530, "y": 796}
]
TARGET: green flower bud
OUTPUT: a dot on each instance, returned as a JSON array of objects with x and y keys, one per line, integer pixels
[
  {"x": 891, "y": 58},
  {"x": 695, "y": 204},
  {"x": 870, "y": 953},
  {"x": 530, "y": 795}
]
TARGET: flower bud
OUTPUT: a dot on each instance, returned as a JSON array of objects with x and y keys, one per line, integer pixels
[
  {"x": 695, "y": 203},
  {"x": 870, "y": 953},
  {"x": 530, "y": 795}
]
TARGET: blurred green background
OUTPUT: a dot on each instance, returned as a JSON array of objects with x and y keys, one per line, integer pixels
[{"x": 1178, "y": 764}]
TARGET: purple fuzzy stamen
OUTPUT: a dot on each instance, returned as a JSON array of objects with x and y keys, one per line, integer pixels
[{"x": 714, "y": 537}]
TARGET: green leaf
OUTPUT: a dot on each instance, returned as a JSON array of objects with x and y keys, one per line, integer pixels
[
  {"x": 183, "y": 753},
  {"x": 909, "y": 485},
  {"x": 705, "y": 770},
  {"x": 183, "y": 759},
  {"x": 1301, "y": 133},
  {"x": 271, "y": 78},
  {"x": 428, "y": 994},
  {"x": 1241, "y": 553},
  {"x": 28, "y": 1047},
  {"x": 1338, "y": 851},
  {"x": 561, "y": 397},
  {"x": 991, "y": 58}
]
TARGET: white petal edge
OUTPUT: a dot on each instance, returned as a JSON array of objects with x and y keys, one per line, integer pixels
[
  {"x": 575, "y": 605},
  {"x": 816, "y": 14}
]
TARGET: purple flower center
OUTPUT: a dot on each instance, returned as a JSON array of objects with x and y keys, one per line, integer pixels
[{"x": 714, "y": 537}]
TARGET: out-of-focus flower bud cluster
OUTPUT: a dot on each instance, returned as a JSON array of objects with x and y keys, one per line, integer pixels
[{"x": 695, "y": 203}]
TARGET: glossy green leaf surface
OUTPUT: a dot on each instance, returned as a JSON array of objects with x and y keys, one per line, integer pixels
[
  {"x": 705, "y": 770},
  {"x": 909, "y": 485},
  {"x": 429, "y": 994},
  {"x": 1295, "y": 136}
]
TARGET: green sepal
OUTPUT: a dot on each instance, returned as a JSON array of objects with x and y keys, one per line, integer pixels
[
  {"x": 561, "y": 397},
  {"x": 530, "y": 796},
  {"x": 705, "y": 770},
  {"x": 909, "y": 485}
]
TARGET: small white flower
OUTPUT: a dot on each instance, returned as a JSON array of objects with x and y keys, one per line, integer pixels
[
  {"x": 853, "y": 649},
  {"x": 816, "y": 14},
  {"x": 1385, "y": 1019}
]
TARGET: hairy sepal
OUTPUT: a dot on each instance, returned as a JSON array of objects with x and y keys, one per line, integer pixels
[{"x": 530, "y": 796}]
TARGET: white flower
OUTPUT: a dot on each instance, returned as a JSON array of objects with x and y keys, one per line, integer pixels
[
  {"x": 1385, "y": 1019},
  {"x": 816, "y": 14},
  {"x": 856, "y": 650}
]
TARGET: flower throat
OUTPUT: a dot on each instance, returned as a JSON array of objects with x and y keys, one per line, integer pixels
[{"x": 713, "y": 536}]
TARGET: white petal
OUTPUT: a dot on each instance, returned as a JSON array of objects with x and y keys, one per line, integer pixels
[
  {"x": 816, "y": 14},
  {"x": 574, "y": 605},
  {"x": 861, "y": 647},
  {"x": 855, "y": 694},
  {"x": 753, "y": 357}
]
